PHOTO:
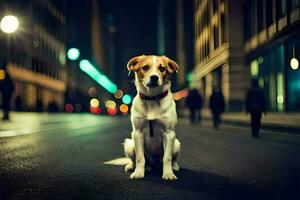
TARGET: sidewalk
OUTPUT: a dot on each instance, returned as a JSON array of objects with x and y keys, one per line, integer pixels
[{"x": 273, "y": 121}]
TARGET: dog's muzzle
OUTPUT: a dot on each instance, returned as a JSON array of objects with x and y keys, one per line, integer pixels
[{"x": 153, "y": 81}]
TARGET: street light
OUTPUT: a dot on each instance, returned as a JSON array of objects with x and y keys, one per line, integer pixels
[{"x": 9, "y": 24}]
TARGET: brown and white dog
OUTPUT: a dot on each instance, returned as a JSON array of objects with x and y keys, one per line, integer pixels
[{"x": 153, "y": 117}]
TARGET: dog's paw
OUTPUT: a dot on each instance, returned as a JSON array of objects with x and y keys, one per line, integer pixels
[
  {"x": 175, "y": 166},
  {"x": 129, "y": 167},
  {"x": 169, "y": 176},
  {"x": 137, "y": 174}
]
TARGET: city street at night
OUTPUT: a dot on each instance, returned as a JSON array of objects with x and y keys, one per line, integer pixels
[{"x": 61, "y": 156}]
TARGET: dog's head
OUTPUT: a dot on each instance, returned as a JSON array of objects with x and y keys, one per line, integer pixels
[{"x": 152, "y": 71}]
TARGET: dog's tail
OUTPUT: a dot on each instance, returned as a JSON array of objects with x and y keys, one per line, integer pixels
[{"x": 118, "y": 161}]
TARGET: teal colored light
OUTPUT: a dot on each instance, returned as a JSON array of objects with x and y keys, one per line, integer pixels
[
  {"x": 127, "y": 99},
  {"x": 73, "y": 54},
  {"x": 100, "y": 78}
]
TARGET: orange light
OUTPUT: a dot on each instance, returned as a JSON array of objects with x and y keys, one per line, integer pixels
[
  {"x": 180, "y": 94},
  {"x": 124, "y": 108},
  {"x": 2, "y": 74}
]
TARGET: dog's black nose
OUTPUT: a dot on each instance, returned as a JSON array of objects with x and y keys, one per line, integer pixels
[{"x": 154, "y": 78}]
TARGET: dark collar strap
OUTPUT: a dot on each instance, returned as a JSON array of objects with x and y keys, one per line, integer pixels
[{"x": 157, "y": 97}]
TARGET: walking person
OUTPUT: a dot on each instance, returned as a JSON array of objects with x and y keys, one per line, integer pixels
[
  {"x": 7, "y": 88},
  {"x": 255, "y": 105},
  {"x": 194, "y": 103},
  {"x": 217, "y": 106}
]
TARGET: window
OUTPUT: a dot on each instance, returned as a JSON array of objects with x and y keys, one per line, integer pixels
[
  {"x": 216, "y": 37},
  {"x": 260, "y": 15},
  {"x": 223, "y": 29},
  {"x": 295, "y": 3},
  {"x": 281, "y": 8},
  {"x": 269, "y": 10}
]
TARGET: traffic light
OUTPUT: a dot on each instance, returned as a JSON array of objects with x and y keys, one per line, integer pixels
[{"x": 100, "y": 78}]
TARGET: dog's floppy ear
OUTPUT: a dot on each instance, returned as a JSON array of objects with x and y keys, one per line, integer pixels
[
  {"x": 172, "y": 66},
  {"x": 132, "y": 64}
]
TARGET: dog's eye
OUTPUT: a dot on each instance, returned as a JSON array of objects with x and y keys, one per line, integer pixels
[
  {"x": 145, "y": 68},
  {"x": 161, "y": 69}
]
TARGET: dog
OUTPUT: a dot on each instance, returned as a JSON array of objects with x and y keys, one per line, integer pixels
[{"x": 153, "y": 116}]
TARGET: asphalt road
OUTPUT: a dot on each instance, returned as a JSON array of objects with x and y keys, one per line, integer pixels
[{"x": 61, "y": 157}]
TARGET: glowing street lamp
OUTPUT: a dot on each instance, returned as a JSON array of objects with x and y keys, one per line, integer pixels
[
  {"x": 9, "y": 24},
  {"x": 294, "y": 61}
]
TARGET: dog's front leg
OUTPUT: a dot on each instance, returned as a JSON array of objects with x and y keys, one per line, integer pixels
[
  {"x": 139, "y": 171},
  {"x": 169, "y": 138}
]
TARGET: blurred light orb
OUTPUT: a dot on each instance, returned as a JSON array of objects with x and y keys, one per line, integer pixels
[
  {"x": 69, "y": 108},
  {"x": 73, "y": 54},
  {"x": 124, "y": 108},
  {"x": 94, "y": 103},
  {"x": 9, "y": 24},
  {"x": 112, "y": 111},
  {"x": 280, "y": 99},
  {"x": 118, "y": 94},
  {"x": 110, "y": 104},
  {"x": 294, "y": 63},
  {"x": 2, "y": 74},
  {"x": 127, "y": 99},
  {"x": 92, "y": 91}
]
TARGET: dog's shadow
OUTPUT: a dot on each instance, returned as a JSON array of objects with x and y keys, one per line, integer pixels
[{"x": 206, "y": 183}]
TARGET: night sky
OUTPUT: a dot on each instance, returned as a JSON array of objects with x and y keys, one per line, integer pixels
[{"x": 136, "y": 30}]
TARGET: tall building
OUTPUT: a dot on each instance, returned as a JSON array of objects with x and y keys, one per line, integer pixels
[
  {"x": 272, "y": 39},
  {"x": 35, "y": 53},
  {"x": 219, "y": 58}
]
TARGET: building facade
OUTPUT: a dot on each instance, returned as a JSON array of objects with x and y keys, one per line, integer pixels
[
  {"x": 35, "y": 53},
  {"x": 272, "y": 29},
  {"x": 219, "y": 57}
]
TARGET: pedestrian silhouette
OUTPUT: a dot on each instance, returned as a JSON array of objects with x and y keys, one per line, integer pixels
[
  {"x": 217, "y": 106},
  {"x": 255, "y": 105},
  {"x": 194, "y": 103},
  {"x": 7, "y": 88}
]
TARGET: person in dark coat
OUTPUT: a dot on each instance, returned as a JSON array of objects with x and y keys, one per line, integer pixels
[
  {"x": 194, "y": 104},
  {"x": 217, "y": 106},
  {"x": 7, "y": 88},
  {"x": 255, "y": 105}
]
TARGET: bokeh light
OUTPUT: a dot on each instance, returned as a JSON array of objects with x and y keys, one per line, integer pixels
[
  {"x": 94, "y": 102},
  {"x": 73, "y": 54},
  {"x": 9, "y": 24},
  {"x": 294, "y": 63},
  {"x": 112, "y": 111},
  {"x": 110, "y": 104},
  {"x": 127, "y": 99},
  {"x": 124, "y": 108},
  {"x": 118, "y": 94},
  {"x": 69, "y": 108}
]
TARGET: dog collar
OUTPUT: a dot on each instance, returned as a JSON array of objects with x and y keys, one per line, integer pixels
[{"x": 157, "y": 97}]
